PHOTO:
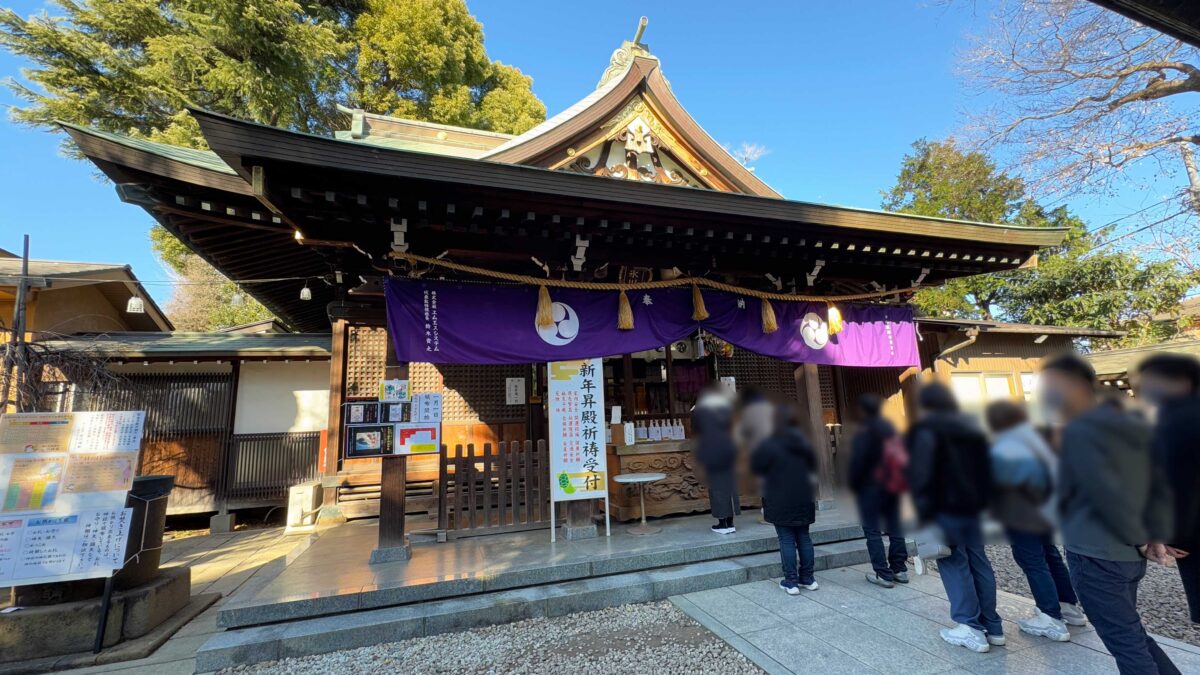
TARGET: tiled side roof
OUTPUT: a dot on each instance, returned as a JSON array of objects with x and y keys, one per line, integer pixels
[{"x": 138, "y": 345}]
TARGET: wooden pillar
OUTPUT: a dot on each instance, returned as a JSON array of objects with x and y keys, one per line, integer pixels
[
  {"x": 808, "y": 396},
  {"x": 393, "y": 542},
  {"x": 337, "y": 395}
]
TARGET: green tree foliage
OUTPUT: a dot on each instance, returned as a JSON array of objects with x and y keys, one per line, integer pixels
[
  {"x": 211, "y": 302},
  {"x": 1083, "y": 282},
  {"x": 425, "y": 59},
  {"x": 133, "y": 66}
]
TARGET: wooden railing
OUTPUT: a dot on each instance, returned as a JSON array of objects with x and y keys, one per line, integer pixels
[
  {"x": 488, "y": 490},
  {"x": 263, "y": 466}
]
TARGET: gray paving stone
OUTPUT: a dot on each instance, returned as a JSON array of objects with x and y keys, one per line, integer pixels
[
  {"x": 803, "y": 653},
  {"x": 740, "y": 614},
  {"x": 316, "y": 603},
  {"x": 702, "y": 617},
  {"x": 360, "y": 629},
  {"x": 535, "y": 575},
  {"x": 1072, "y": 659},
  {"x": 457, "y": 614},
  {"x": 696, "y": 577},
  {"x": 1008, "y": 664},
  {"x": 857, "y": 581},
  {"x": 1185, "y": 661},
  {"x": 757, "y": 656},
  {"x": 247, "y": 645},
  {"x": 839, "y": 597},
  {"x": 931, "y": 607},
  {"x": 917, "y": 631},
  {"x": 873, "y": 647},
  {"x": 790, "y": 608},
  {"x": 399, "y": 593}
]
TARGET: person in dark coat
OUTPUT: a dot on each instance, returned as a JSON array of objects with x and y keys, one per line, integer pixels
[
  {"x": 1171, "y": 383},
  {"x": 950, "y": 482},
  {"x": 712, "y": 421},
  {"x": 878, "y": 508},
  {"x": 785, "y": 462},
  {"x": 1115, "y": 508}
]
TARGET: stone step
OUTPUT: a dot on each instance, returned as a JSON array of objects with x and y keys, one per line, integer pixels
[
  {"x": 364, "y": 628},
  {"x": 245, "y": 611}
]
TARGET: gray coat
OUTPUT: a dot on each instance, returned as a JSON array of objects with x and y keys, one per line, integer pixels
[{"x": 1112, "y": 495}]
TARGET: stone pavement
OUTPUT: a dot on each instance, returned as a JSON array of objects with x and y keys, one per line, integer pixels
[
  {"x": 850, "y": 626},
  {"x": 220, "y": 563}
]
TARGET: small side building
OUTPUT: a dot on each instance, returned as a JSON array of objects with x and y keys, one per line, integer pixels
[{"x": 237, "y": 417}]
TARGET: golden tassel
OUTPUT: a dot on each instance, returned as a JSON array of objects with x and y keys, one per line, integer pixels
[
  {"x": 769, "y": 325},
  {"x": 624, "y": 312},
  {"x": 699, "y": 311},
  {"x": 545, "y": 308},
  {"x": 834, "y": 319}
]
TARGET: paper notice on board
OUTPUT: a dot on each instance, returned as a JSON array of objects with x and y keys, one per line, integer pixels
[
  {"x": 33, "y": 483},
  {"x": 35, "y": 432},
  {"x": 107, "y": 431},
  {"x": 100, "y": 472}
]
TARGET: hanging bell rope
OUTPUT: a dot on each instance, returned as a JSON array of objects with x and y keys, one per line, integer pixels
[
  {"x": 769, "y": 324},
  {"x": 646, "y": 285},
  {"x": 624, "y": 312},
  {"x": 699, "y": 311},
  {"x": 545, "y": 308}
]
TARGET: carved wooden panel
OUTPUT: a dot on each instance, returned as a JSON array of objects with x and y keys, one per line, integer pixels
[{"x": 366, "y": 358}]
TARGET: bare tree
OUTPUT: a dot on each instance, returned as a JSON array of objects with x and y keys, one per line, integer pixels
[
  {"x": 1085, "y": 95},
  {"x": 36, "y": 374},
  {"x": 748, "y": 153}
]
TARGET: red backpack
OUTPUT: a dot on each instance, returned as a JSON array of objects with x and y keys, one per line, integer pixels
[{"x": 893, "y": 466}]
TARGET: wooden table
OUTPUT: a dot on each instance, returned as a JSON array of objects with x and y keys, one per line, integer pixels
[{"x": 641, "y": 479}]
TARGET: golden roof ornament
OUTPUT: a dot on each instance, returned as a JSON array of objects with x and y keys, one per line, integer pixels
[{"x": 623, "y": 56}]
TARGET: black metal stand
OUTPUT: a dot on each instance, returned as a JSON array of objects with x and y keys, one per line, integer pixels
[{"x": 105, "y": 605}]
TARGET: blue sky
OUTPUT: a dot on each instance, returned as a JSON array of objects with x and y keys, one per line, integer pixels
[{"x": 836, "y": 92}]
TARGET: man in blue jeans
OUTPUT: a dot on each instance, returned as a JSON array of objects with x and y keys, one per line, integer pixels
[
  {"x": 950, "y": 481},
  {"x": 1024, "y": 472},
  {"x": 1116, "y": 511},
  {"x": 878, "y": 507}
]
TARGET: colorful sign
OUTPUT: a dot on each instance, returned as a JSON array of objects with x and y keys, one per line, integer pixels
[
  {"x": 481, "y": 323},
  {"x": 64, "y": 478},
  {"x": 418, "y": 438},
  {"x": 393, "y": 390},
  {"x": 578, "y": 463}
]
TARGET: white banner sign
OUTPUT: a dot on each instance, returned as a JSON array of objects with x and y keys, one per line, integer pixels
[
  {"x": 578, "y": 462},
  {"x": 64, "y": 478}
]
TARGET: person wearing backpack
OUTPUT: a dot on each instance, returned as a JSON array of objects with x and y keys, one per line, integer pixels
[
  {"x": 1024, "y": 472},
  {"x": 878, "y": 462},
  {"x": 950, "y": 476}
]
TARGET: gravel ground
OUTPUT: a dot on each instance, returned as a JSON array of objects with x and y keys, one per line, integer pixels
[
  {"x": 1160, "y": 595},
  {"x": 648, "y": 638}
]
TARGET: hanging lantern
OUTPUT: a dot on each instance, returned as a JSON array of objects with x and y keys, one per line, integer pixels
[
  {"x": 834, "y": 319},
  {"x": 135, "y": 306},
  {"x": 306, "y": 292}
]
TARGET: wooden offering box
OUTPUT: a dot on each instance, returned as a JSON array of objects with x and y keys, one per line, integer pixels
[{"x": 684, "y": 490}]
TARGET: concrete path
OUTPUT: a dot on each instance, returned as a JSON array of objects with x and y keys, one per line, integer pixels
[
  {"x": 220, "y": 563},
  {"x": 850, "y": 626}
]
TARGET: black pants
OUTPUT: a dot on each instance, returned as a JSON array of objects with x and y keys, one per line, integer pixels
[
  {"x": 880, "y": 513},
  {"x": 1189, "y": 572},
  {"x": 1107, "y": 590}
]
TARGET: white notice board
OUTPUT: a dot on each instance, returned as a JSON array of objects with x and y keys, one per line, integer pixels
[
  {"x": 578, "y": 462},
  {"x": 64, "y": 478}
]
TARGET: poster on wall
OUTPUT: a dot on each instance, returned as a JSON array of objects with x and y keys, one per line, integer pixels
[
  {"x": 64, "y": 478},
  {"x": 427, "y": 408},
  {"x": 368, "y": 440},
  {"x": 418, "y": 438},
  {"x": 578, "y": 463},
  {"x": 393, "y": 390},
  {"x": 362, "y": 413},
  {"x": 397, "y": 412}
]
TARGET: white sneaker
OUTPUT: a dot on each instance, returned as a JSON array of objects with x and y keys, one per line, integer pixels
[
  {"x": 810, "y": 587},
  {"x": 1072, "y": 615},
  {"x": 996, "y": 640},
  {"x": 791, "y": 590},
  {"x": 1044, "y": 625},
  {"x": 919, "y": 565},
  {"x": 965, "y": 636}
]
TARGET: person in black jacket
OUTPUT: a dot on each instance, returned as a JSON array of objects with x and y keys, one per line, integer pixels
[
  {"x": 712, "y": 421},
  {"x": 1171, "y": 383},
  {"x": 878, "y": 508},
  {"x": 785, "y": 461},
  {"x": 950, "y": 482}
]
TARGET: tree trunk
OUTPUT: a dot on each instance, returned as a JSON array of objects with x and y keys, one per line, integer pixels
[{"x": 1193, "y": 174}]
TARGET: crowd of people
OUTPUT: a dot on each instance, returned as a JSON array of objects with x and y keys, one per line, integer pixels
[{"x": 1117, "y": 485}]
